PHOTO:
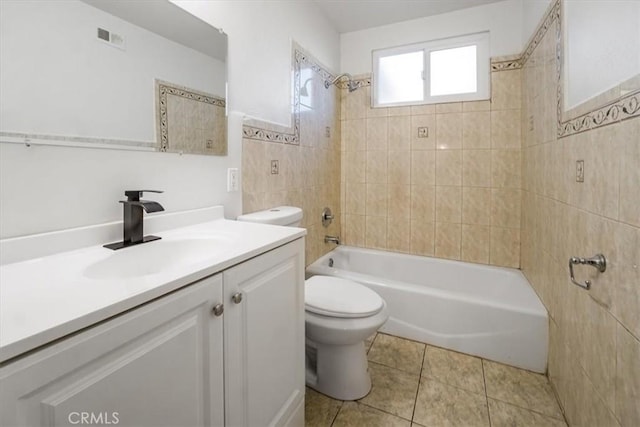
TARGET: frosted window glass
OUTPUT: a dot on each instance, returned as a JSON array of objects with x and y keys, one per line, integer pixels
[
  {"x": 453, "y": 71},
  {"x": 400, "y": 78}
]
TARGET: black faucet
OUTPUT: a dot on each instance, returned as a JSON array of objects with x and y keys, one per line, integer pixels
[{"x": 133, "y": 216}]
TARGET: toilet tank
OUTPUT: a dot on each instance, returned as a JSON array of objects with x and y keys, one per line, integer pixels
[{"x": 289, "y": 216}]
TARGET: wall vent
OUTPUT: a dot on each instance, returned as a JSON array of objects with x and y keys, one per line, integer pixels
[{"x": 112, "y": 39}]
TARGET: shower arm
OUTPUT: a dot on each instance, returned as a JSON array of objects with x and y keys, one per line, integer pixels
[{"x": 328, "y": 83}]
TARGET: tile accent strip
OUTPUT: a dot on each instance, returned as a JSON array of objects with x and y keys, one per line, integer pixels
[
  {"x": 163, "y": 89},
  {"x": 291, "y": 136}
]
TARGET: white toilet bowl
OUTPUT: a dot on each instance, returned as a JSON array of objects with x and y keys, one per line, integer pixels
[{"x": 340, "y": 315}]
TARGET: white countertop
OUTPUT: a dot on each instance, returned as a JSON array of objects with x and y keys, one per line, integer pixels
[{"x": 46, "y": 298}]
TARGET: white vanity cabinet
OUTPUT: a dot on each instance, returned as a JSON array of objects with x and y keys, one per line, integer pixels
[{"x": 173, "y": 361}]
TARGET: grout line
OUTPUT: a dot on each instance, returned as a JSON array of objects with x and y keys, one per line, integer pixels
[
  {"x": 415, "y": 401},
  {"x": 486, "y": 396},
  {"x": 335, "y": 417}
]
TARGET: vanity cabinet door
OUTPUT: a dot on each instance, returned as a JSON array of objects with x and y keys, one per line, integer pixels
[
  {"x": 158, "y": 365},
  {"x": 264, "y": 339}
]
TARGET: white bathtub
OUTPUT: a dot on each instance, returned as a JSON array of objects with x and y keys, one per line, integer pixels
[{"x": 486, "y": 311}]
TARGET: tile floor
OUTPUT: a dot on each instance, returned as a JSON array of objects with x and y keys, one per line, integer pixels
[{"x": 420, "y": 385}]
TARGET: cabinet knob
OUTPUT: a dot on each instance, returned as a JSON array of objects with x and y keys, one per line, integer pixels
[
  {"x": 237, "y": 298},
  {"x": 218, "y": 309}
]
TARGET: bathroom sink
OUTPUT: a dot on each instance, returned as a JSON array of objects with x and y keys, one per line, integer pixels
[{"x": 155, "y": 257}]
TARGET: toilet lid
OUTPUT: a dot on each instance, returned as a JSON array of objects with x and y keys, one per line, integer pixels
[{"x": 335, "y": 297}]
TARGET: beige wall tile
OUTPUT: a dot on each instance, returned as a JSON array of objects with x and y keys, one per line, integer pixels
[
  {"x": 399, "y": 164},
  {"x": 449, "y": 167},
  {"x": 505, "y": 90},
  {"x": 423, "y": 200},
  {"x": 447, "y": 240},
  {"x": 418, "y": 110},
  {"x": 375, "y": 235},
  {"x": 476, "y": 168},
  {"x": 505, "y": 129},
  {"x": 377, "y": 133},
  {"x": 449, "y": 204},
  {"x": 448, "y": 131},
  {"x": 399, "y": 205},
  {"x": 354, "y": 135},
  {"x": 626, "y": 298},
  {"x": 475, "y": 243},
  {"x": 505, "y": 168},
  {"x": 423, "y": 167},
  {"x": 376, "y": 204},
  {"x": 505, "y": 247},
  {"x": 476, "y": 206},
  {"x": 423, "y": 121},
  {"x": 627, "y": 378},
  {"x": 476, "y": 106},
  {"x": 376, "y": 167},
  {"x": 355, "y": 227},
  {"x": 422, "y": 237},
  {"x": 356, "y": 162},
  {"x": 505, "y": 207},
  {"x": 449, "y": 107},
  {"x": 399, "y": 133},
  {"x": 356, "y": 199},
  {"x": 399, "y": 111},
  {"x": 630, "y": 172},
  {"x": 476, "y": 130},
  {"x": 399, "y": 234}
]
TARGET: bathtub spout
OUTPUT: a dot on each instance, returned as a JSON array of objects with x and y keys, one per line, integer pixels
[{"x": 332, "y": 239}]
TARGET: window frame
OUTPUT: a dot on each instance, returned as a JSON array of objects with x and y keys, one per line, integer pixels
[{"x": 483, "y": 68}]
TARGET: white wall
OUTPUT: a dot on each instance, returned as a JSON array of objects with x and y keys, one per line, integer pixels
[
  {"x": 53, "y": 188},
  {"x": 59, "y": 79},
  {"x": 532, "y": 13},
  {"x": 503, "y": 20},
  {"x": 602, "y": 46},
  {"x": 260, "y": 35}
]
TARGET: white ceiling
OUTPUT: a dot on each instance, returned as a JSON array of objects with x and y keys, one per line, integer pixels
[{"x": 353, "y": 15}]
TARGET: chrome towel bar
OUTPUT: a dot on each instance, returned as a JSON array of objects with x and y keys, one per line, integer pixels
[{"x": 598, "y": 261}]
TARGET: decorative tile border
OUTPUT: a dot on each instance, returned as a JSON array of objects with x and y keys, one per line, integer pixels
[
  {"x": 164, "y": 89},
  {"x": 291, "y": 135},
  {"x": 622, "y": 108}
]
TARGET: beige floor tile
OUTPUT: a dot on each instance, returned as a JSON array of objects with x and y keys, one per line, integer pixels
[
  {"x": 319, "y": 410},
  {"x": 353, "y": 414},
  {"x": 392, "y": 390},
  {"x": 456, "y": 369},
  {"x": 505, "y": 415},
  {"x": 442, "y": 405},
  {"x": 397, "y": 353},
  {"x": 521, "y": 388}
]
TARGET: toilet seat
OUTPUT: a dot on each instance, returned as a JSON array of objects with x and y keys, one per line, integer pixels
[{"x": 335, "y": 297}]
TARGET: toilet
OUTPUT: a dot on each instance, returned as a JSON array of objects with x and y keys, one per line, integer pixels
[{"x": 340, "y": 315}]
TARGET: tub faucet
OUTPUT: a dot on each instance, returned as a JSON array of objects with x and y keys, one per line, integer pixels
[
  {"x": 133, "y": 231},
  {"x": 332, "y": 239}
]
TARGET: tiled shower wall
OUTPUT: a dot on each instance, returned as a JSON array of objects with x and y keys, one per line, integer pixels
[
  {"x": 440, "y": 180},
  {"x": 594, "y": 361},
  {"x": 309, "y": 170}
]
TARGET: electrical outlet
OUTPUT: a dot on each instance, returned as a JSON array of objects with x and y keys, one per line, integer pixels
[
  {"x": 327, "y": 132},
  {"x": 209, "y": 144},
  {"x": 531, "y": 122},
  {"x": 232, "y": 180},
  {"x": 423, "y": 132},
  {"x": 580, "y": 171},
  {"x": 275, "y": 168}
]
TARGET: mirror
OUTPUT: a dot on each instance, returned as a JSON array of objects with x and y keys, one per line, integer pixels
[
  {"x": 600, "y": 58},
  {"x": 134, "y": 74}
]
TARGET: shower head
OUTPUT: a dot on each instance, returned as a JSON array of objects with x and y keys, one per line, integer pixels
[{"x": 351, "y": 85}]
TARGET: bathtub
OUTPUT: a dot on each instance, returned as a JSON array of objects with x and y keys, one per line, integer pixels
[{"x": 485, "y": 311}]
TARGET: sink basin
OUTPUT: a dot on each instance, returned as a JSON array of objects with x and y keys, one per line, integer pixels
[{"x": 155, "y": 257}]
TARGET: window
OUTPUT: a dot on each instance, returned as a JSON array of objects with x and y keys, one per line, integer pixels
[{"x": 446, "y": 70}]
